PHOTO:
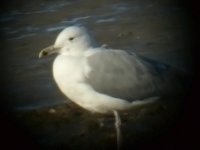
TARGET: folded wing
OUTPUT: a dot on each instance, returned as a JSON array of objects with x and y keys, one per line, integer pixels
[{"x": 125, "y": 75}]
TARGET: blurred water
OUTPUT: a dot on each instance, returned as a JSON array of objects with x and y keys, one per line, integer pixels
[{"x": 157, "y": 29}]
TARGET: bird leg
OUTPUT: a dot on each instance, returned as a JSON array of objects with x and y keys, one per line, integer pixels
[{"x": 118, "y": 129}]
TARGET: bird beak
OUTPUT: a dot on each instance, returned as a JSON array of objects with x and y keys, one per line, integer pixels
[{"x": 48, "y": 51}]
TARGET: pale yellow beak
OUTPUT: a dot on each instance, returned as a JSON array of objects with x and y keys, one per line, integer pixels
[{"x": 48, "y": 51}]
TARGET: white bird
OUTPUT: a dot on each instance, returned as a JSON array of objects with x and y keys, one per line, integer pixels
[{"x": 104, "y": 80}]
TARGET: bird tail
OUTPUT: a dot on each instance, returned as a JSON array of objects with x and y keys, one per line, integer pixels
[{"x": 140, "y": 103}]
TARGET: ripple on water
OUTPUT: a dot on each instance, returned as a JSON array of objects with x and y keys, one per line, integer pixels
[{"x": 106, "y": 20}]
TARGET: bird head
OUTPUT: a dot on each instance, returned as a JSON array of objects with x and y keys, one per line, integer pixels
[{"x": 72, "y": 40}]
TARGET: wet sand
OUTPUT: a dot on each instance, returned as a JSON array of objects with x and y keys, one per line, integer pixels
[{"x": 70, "y": 127}]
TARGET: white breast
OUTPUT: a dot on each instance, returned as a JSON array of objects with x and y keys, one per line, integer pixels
[{"x": 67, "y": 71}]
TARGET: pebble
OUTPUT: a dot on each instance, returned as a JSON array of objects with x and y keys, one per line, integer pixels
[{"x": 52, "y": 111}]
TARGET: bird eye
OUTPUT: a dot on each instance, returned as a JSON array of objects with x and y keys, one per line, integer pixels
[{"x": 71, "y": 38}]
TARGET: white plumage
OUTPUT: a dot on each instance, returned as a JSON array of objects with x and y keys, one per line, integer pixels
[
  {"x": 98, "y": 79},
  {"x": 104, "y": 80}
]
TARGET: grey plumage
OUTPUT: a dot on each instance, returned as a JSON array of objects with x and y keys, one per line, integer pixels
[{"x": 125, "y": 75}]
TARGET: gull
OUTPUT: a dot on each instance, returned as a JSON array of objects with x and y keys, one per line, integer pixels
[{"x": 104, "y": 80}]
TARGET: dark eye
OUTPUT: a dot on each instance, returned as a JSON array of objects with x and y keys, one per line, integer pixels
[{"x": 71, "y": 38}]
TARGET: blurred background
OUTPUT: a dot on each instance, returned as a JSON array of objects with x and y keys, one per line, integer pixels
[{"x": 161, "y": 30}]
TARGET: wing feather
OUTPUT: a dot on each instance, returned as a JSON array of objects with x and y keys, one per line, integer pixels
[{"x": 123, "y": 75}]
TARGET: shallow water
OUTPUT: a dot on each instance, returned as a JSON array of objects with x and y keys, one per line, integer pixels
[{"x": 156, "y": 29}]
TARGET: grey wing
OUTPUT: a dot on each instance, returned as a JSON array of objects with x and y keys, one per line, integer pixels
[{"x": 124, "y": 75}]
